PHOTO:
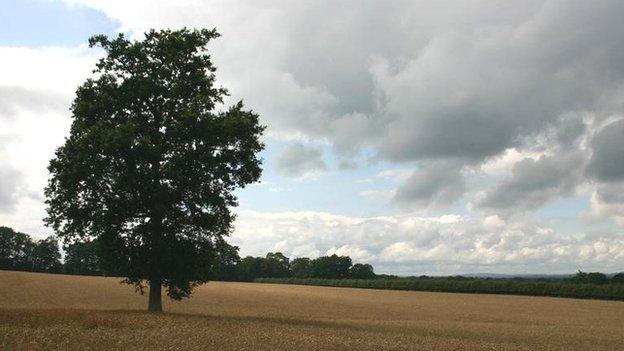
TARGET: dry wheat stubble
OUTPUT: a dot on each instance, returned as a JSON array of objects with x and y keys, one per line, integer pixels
[{"x": 42, "y": 311}]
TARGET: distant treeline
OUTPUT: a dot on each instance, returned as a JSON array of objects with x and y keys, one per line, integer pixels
[
  {"x": 19, "y": 252},
  {"x": 576, "y": 287},
  {"x": 276, "y": 265}
]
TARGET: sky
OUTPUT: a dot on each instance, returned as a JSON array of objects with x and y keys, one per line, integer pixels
[{"x": 422, "y": 137}]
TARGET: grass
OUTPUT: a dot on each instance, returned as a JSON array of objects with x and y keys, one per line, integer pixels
[
  {"x": 471, "y": 285},
  {"x": 43, "y": 312}
]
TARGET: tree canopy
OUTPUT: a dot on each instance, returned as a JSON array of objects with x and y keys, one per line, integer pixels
[
  {"x": 18, "y": 251},
  {"x": 82, "y": 258},
  {"x": 331, "y": 267},
  {"x": 152, "y": 160},
  {"x": 361, "y": 271}
]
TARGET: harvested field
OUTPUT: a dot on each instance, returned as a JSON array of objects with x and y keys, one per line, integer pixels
[{"x": 42, "y": 311}]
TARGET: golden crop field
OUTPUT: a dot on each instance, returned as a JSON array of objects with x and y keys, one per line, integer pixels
[{"x": 45, "y": 312}]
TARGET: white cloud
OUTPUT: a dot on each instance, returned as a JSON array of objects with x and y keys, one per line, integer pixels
[
  {"x": 37, "y": 86},
  {"x": 503, "y": 163},
  {"x": 414, "y": 244}
]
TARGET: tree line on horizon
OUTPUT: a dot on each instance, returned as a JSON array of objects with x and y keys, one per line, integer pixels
[{"x": 18, "y": 251}]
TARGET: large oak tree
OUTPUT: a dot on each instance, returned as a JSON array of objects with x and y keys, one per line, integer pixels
[{"x": 152, "y": 161}]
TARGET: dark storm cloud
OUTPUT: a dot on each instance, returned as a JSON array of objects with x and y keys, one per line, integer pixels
[
  {"x": 298, "y": 160},
  {"x": 607, "y": 160}
]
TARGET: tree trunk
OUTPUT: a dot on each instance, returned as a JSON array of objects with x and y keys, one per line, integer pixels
[{"x": 155, "y": 296}]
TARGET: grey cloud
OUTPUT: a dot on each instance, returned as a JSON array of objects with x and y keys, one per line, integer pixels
[
  {"x": 474, "y": 94},
  {"x": 611, "y": 193},
  {"x": 11, "y": 180},
  {"x": 535, "y": 182},
  {"x": 607, "y": 161},
  {"x": 13, "y": 98},
  {"x": 569, "y": 130},
  {"x": 416, "y": 80},
  {"x": 437, "y": 183},
  {"x": 434, "y": 79},
  {"x": 352, "y": 130},
  {"x": 298, "y": 160}
]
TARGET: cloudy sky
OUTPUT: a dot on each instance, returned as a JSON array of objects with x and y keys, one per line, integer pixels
[{"x": 423, "y": 137}]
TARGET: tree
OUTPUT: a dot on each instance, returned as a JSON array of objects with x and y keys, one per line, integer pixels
[
  {"x": 226, "y": 265},
  {"x": 151, "y": 163},
  {"x": 618, "y": 278},
  {"x": 276, "y": 265},
  {"x": 15, "y": 250},
  {"x": 250, "y": 268},
  {"x": 45, "y": 256},
  {"x": 590, "y": 278},
  {"x": 331, "y": 267},
  {"x": 361, "y": 271},
  {"x": 82, "y": 258},
  {"x": 301, "y": 267}
]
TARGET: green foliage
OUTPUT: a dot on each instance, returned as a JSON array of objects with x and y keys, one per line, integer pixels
[
  {"x": 227, "y": 262},
  {"x": 558, "y": 288},
  {"x": 331, "y": 267},
  {"x": 45, "y": 256},
  {"x": 19, "y": 252},
  {"x": 150, "y": 165},
  {"x": 82, "y": 258},
  {"x": 15, "y": 250},
  {"x": 590, "y": 278},
  {"x": 251, "y": 268},
  {"x": 618, "y": 278},
  {"x": 361, "y": 271},
  {"x": 274, "y": 265},
  {"x": 301, "y": 267}
]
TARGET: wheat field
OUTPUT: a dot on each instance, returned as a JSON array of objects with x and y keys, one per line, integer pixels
[{"x": 44, "y": 312}]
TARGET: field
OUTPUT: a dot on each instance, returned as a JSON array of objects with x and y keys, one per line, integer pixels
[{"x": 42, "y": 311}]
